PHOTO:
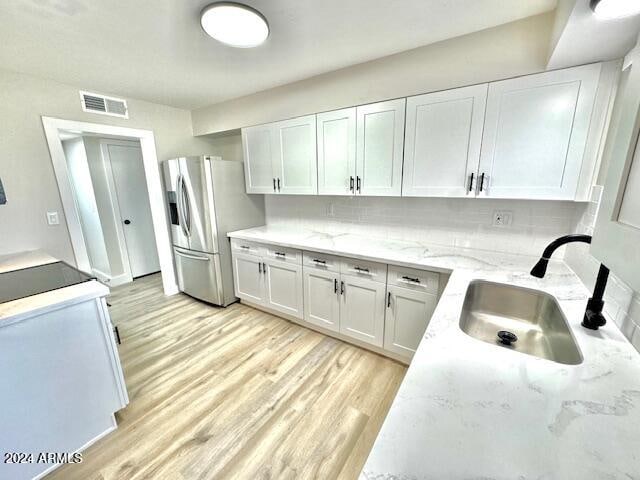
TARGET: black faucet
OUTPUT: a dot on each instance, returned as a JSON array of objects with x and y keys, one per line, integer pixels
[{"x": 593, "y": 317}]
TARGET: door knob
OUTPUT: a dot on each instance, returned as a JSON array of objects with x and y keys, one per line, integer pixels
[{"x": 127, "y": 222}]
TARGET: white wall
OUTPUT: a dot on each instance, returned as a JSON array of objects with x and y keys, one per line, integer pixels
[
  {"x": 25, "y": 164},
  {"x": 80, "y": 176},
  {"x": 509, "y": 50}
]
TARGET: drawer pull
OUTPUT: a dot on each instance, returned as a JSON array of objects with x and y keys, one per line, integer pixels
[
  {"x": 280, "y": 254},
  {"x": 361, "y": 269},
  {"x": 411, "y": 279},
  {"x": 244, "y": 247},
  {"x": 321, "y": 262}
]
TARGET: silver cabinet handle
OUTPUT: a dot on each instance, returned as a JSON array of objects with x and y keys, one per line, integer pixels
[{"x": 193, "y": 257}]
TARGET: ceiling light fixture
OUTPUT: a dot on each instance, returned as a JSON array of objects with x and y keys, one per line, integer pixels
[
  {"x": 612, "y": 9},
  {"x": 234, "y": 24}
]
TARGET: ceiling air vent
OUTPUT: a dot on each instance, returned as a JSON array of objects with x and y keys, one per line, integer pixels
[{"x": 95, "y": 103}]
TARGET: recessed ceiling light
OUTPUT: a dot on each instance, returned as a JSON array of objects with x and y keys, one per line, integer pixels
[
  {"x": 234, "y": 24},
  {"x": 612, "y": 9}
]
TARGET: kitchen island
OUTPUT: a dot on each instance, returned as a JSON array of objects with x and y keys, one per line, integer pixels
[
  {"x": 62, "y": 381},
  {"x": 467, "y": 409}
]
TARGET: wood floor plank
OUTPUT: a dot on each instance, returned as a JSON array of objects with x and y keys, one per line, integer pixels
[{"x": 235, "y": 393}]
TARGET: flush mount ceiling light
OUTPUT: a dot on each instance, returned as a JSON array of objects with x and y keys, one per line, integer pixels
[
  {"x": 234, "y": 24},
  {"x": 612, "y": 9}
]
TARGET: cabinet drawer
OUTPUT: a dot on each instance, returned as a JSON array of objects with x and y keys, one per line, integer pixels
[
  {"x": 322, "y": 261},
  {"x": 422, "y": 280},
  {"x": 243, "y": 246},
  {"x": 364, "y": 269},
  {"x": 288, "y": 255}
]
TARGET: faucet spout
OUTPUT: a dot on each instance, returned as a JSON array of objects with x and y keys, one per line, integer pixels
[{"x": 593, "y": 317}]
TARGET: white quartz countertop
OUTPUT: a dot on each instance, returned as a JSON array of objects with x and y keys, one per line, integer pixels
[
  {"x": 16, "y": 310},
  {"x": 470, "y": 410}
]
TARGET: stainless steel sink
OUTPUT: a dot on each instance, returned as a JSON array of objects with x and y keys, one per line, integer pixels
[{"x": 531, "y": 316}]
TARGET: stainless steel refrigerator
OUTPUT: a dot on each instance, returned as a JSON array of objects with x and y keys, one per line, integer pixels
[{"x": 206, "y": 199}]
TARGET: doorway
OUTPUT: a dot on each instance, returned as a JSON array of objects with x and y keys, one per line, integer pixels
[{"x": 112, "y": 196}]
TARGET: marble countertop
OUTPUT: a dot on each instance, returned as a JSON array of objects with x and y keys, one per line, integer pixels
[
  {"x": 17, "y": 310},
  {"x": 470, "y": 410}
]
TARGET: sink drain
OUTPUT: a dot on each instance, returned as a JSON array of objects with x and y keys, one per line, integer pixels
[{"x": 507, "y": 338}]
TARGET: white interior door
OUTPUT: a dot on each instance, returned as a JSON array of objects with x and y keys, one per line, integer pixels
[
  {"x": 321, "y": 298},
  {"x": 362, "y": 309},
  {"x": 379, "y": 138},
  {"x": 535, "y": 134},
  {"x": 284, "y": 284},
  {"x": 408, "y": 314},
  {"x": 295, "y": 163},
  {"x": 336, "y": 152},
  {"x": 442, "y": 142},
  {"x": 125, "y": 160},
  {"x": 258, "y": 144}
]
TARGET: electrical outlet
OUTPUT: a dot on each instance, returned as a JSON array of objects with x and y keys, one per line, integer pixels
[
  {"x": 52, "y": 218},
  {"x": 502, "y": 218}
]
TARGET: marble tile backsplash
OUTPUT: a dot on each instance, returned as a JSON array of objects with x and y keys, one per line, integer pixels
[
  {"x": 452, "y": 222},
  {"x": 622, "y": 304}
]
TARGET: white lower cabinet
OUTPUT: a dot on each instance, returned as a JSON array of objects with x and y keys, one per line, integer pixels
[
  {"x": 362, "y": 309},
  {"x": 248, "y": 277},
  {"x": 283, "y": 287},
  {"x": 273, "y": 283},
  {"x": 382, "y": 305},
  {"x": 322, "y": 298},
  {"x": 407, "y": 317}
]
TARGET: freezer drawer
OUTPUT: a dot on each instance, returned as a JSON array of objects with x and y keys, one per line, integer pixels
[{"x": 199, "y": 275}]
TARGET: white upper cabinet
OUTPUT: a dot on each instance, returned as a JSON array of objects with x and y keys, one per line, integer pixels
[
  {"x": 281, "y": 157},
  {"x": 535, "y": 134},
  {"x": 442, "y": 142},
  {"x": 336, "y": 152},
  {"x": 259, "y": 144},
  {"x": 379, "y": 144},
  {"x": 616, "y": 238},
  {"x": 295, "y": 166}
]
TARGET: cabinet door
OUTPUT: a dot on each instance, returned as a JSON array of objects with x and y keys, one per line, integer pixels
[
  {"x": 379, "y": 144},
  {"x": 248, "y": 278},
  {"x": 284, "y": 287},
  {"x": 258, "y": 144},
  {"x": 616, "y": 237},
  {"x": 295, "y": 163},
  {"x": 535, "y": 134},
  {"x": 336, "y": 152},
  {"x": 408, "y": 314},
  {"x": 362, "y": 309},
  {"x": 442, "y": 142},
  {"x": 322, "y": 298}
]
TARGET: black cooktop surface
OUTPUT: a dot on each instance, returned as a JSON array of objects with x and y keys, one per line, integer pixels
[{"x": 42, "y": 278}]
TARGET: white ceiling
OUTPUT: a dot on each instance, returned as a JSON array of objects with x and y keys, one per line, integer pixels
[{"x": 155, "y": 49}]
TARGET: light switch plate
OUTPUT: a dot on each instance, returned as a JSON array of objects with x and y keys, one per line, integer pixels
[
  {"x": 502, "y": 218},
  {"x": 52, "y": 218}
]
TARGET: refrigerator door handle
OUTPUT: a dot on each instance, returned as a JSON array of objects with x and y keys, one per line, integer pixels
[
  {"x": 191, "y": 256},
  {"x": 179, "y": 200},
  {"x": 186, "y": 208}
]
